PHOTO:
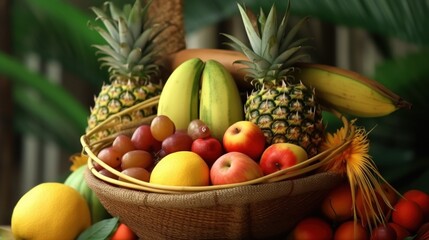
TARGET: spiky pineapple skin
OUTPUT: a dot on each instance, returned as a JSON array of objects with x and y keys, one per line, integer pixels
[
  {"x": 117, "y": 96},
  {"x": 287, "y": 113}
]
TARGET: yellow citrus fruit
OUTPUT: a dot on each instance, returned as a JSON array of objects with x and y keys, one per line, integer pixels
[
  {"x": 50, "y": 211},
  {"x": 183, "y": 168}
]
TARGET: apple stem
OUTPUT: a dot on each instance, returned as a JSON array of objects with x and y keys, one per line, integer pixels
[
  {"x": 204, "y": 129},
  {"x": 236, "y": 130}
]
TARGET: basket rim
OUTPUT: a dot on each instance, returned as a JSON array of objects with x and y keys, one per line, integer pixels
[
  {"x": 284, "y": 174},
  {"x": 226, "y": 196}
]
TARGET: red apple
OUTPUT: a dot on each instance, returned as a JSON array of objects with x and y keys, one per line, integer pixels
[
  {"x": 280, "y": 156},
  {"x": 209, "y": 149},
  {"x": 234, "y": 167},
  {"x": 245, "y": 137}
]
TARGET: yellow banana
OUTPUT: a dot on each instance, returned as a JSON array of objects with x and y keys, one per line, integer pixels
[
  {"x": 348, "y": 92},
  {"x": 179, "y": 97},
  {"x": 220, "y": 102}
]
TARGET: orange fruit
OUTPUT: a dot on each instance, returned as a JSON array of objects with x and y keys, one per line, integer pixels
[
  {"x": 183, "y": 168},
  {"x": 421, "y": 198},
  {"x": 351, "y": 230},
  {"x": 123, "y": 232},
  {"x": 312, "y": 228},
  {"x": 407, "y": 214},
  {"x": 338, "y": 204}
]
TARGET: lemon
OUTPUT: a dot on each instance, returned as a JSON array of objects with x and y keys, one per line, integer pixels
[
  {"x": 50, "y": 211},
  {"x": 183, "y": 168}
]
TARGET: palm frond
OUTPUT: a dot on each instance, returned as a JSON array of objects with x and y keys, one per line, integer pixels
[
  {"x": 63, "y": 103},
  {"x": 36, "y": 115},
  {"x": 406, "y": 20},
  {"x": 55, "y": 29}
]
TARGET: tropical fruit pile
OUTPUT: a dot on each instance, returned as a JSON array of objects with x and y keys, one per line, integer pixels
[
  {"x": 407, "y": 216},
  {"x": 160, "y": 154},
  {"x": 237, "y": 117}
]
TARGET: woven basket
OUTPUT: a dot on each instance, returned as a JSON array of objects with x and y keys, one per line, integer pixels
[
  {"x": 261, "y": 211},
  {"x": 258, "y": 209}
]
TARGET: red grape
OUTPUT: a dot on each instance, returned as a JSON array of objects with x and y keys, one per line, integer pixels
[
  {"x": 161, "y": 127},
  {"x": 137, "y": 158},
  {"x": 142, "y": 138},
  {"x": 179, "y": 141},
  {"x": 110, "y": 156},
  {"x": 123, "y": 144},
  {"x": 198, "y": 129},
  {"x": 137, "y": 173}
]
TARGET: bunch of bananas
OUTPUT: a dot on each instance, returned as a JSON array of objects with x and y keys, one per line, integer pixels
[
  {"x": 349, "y": 92},
  {"x": 336, "y": 88},
  {"x": 201, "y": 90}
]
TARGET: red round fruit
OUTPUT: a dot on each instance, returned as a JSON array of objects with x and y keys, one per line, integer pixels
[
  {"x": 383, "y": 232},
  {"x": 137, "y": 173},
  {"x": 351, "y": 230},
  {"x": 123, "y": 232},
  {"x": 312, "y": 228},
  {"x": 421, "y": 198},
  {"x": 137, "y": 158},
  {"x": 210, "y": 149},
  {"x": 401, "y": 232},
  {"x": 110, "y": 156},
  {"x": 198, "y": 129},
  {"x": 179, "y": 141},
  {"x": 143, "y": 140},
  {"x": 338, "y": 204},
  {"x": 161, "y": 127},
  {"x": 407, "y": 214},
  {"x": 123, "y": 144}
]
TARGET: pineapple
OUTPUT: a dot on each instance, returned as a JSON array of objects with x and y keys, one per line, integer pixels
[
  {"x": 284, "y": 108},
  {"x": 129, "y": 55}
]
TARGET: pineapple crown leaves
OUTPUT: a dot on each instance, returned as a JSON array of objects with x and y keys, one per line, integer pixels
[
  {"x": 130, "y": 36},
  {"x": 272, "y": 51}
]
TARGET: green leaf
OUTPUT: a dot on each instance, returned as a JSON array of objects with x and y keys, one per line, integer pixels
[
  {"x": 6, "y": 234},
  {"x": 64, "y": 103},
  {"x": 100, "y": 230},
  {"x": 411, "y": 237}
]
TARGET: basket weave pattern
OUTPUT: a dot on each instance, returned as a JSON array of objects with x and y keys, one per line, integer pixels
[{"x": 253, "y": 211}]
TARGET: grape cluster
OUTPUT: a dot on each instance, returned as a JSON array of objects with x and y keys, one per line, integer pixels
[{"x": 136, "y": 155}]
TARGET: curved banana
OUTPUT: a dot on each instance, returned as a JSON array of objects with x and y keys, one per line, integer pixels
[
  {"x": 179, "y": 97},
  {"x": 349, "y": 92},
  {"x": 220, "y": 103}
]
